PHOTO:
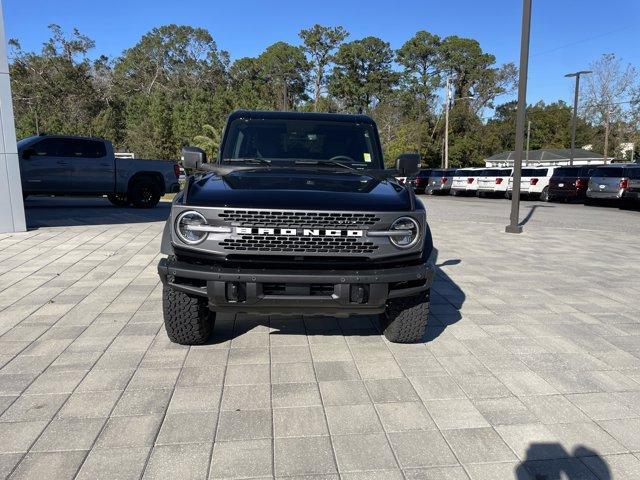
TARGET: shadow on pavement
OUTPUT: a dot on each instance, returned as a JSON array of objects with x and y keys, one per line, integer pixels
[
  {"x": 44, "y": 211},
  {"x": 550, "y": 461},
  {"x": 446, "y": 300},
  {"x": 530, "y": 213}
]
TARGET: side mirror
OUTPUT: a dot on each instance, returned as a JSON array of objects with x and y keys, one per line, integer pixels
[
  {"x": 408, "y": 164},
  {"x": 193, "y": 158},
  {"x": 27, "y": 153}
]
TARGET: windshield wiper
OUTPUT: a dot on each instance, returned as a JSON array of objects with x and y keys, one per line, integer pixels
[
  {"x": 332, "y": 163},
  {"x": 260, "y": 161}
]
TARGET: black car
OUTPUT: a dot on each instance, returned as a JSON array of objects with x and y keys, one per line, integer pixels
[
  {"x": 297, "y": 216},
  {"x": 420, "y": 181}
]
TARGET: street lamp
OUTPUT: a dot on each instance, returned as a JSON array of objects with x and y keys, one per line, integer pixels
[
  {"x": 514, "y": 225},
  {"x": 575, "y": 109}
]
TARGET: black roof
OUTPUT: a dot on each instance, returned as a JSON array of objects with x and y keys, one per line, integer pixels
[
  {"x": 324, "y": 117},
  {"x": 548, "y": 154}
]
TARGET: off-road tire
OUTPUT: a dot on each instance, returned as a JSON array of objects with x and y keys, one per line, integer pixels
[
  {"x": 187, "y": 318},
  {"x": 544, "y": 196},
  {"x": 144, "y": 193},
  {"x": 118, "y": 200},
  {"x": 405, "y": 319}
]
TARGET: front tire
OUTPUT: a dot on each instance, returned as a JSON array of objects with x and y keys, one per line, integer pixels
[
  {"x": 187, "y": 318},
  {"x": 405, "y": 320},
  {"x": 145, "y": 193}
]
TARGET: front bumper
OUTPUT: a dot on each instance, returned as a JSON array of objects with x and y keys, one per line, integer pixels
[{"x": 263, "y": 291}]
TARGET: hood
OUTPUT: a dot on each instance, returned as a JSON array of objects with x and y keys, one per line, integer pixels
[{"x": 301, "y": 189}]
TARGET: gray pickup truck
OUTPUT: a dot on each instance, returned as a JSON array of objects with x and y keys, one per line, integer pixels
[{"x": 63, "y": 165}]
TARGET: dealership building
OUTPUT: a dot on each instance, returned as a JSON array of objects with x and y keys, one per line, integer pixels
[
  {"x": 11, "y": 204},
  {"x": 549, "y": 157}
]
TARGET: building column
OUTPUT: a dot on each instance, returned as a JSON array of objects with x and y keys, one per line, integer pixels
[{"x": 11, "y": 203}]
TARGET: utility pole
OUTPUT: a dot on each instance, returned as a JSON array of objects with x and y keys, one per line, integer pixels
[
  {"x": 514, "y": 226},
  {"x": 526, "y": 162},
  {"x": 576, "y": 93},
  {"x": 446, "y": 124}
]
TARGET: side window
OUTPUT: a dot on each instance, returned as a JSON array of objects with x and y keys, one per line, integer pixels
[
  {"x": 49, "y": 147},
  {"x": 77, "y": 148}
]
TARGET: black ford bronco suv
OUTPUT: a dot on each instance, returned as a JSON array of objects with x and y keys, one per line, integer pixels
[{"x": 297, "y": 216}]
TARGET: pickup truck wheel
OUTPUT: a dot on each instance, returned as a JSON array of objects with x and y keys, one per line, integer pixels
[
  {"x": 405, "y": 320},
  {"x": 187, "y": 318},
  {"x": 144, "y": 194},
  {"x": 118, "y": 200}
]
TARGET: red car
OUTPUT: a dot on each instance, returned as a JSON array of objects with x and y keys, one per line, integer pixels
[{"x": 570, "y": 183}]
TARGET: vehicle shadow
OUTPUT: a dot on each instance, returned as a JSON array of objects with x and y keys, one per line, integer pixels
[
  {"x": 550, "y": 461},
  {"x": 45, "y": 211},
  {"x": 446, "y": 300},
  {"x": 530, "y": 213}
]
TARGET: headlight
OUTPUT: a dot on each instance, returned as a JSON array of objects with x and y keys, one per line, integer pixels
[
  {"x": 410, "y": 227},
  {"x": 187, "y": 227}
]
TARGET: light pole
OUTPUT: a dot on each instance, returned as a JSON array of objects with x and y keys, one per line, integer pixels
[
  {"x": 526, "y": 161},
  {"x": 447, "y": 101},
  {"x": 514, "y": 226},
  {"x": 575, "y": 110},
  {"x": 447, "y": 105}
]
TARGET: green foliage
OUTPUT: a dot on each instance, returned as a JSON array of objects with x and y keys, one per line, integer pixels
[
  {"x": 362, "y": 74},
  {"x": 175, "y": 87}
]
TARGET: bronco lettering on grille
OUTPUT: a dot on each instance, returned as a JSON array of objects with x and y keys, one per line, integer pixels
[{"x": 304, "y": 232}]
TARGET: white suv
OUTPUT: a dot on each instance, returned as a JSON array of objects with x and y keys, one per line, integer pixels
[
  {"x": 494, "y": 181},
  {"x": 465, "y": 181},
  {"x": 534, "y": 182}
]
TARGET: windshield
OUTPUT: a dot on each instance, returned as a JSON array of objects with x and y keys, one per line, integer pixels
[
  {"x": 285, "y": 141},
  {"x": 534, "y": 172},
  {"x": 608, "y": 172},
  {"x": 567, "y": 172}
]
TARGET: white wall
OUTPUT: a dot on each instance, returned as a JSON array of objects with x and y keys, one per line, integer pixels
[{"x": 11, "y": 204}]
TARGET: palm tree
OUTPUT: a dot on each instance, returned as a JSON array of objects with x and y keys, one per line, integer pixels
[{"x": 209, "y": 141}]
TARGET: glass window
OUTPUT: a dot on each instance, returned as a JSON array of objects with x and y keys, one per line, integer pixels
[
  {"x": 281, "y": 140},
  {"x": 566, "y": 172},
  {"x": 78, "y": 148},
  {"x": 49, "y": 147},
  {"x": 534, "y": 172},
  {"x": 608, "y": 172}
]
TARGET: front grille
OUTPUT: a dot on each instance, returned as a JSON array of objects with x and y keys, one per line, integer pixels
[
  {"x": 274, "y": 218},
  {"x": 299, "y": 244}
]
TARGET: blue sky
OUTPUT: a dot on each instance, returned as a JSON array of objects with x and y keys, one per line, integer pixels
[{"x": 566, "y": 34}]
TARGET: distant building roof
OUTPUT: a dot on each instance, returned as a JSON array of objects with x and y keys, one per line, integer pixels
[{"x": 548, "y": 154}]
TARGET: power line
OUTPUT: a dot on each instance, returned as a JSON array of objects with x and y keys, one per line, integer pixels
[{"x": 578, "y": 42}]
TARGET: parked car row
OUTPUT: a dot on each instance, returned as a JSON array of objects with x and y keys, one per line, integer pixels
[{"x": 587, "y": 183}]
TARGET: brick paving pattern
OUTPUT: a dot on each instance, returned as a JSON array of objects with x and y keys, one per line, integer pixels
[{"x": 531, "y": 363}]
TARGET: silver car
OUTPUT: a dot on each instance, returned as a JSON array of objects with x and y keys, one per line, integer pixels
[
  {"x": 440, "y": 181},
  {"x": 610, "y": 182}
]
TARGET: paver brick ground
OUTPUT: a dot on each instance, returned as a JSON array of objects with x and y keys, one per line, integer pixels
[{"x": 530, "y": 364}]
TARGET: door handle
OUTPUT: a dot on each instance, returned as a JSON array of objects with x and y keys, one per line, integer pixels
[
  {"x": 105, "y": 164},
  {"x": 62, "y": 162}
]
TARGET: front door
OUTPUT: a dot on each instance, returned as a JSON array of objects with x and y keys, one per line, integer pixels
[{"x": 45, "y": 169}]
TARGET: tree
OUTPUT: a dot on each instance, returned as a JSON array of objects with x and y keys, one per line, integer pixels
[
  {"x": 209, "y": 141},
  {"x": 420, "y": 57},
  {"x": 606, "y": 89},
  {"x": 473, "y": 72},
  {"x": 362, "y": 74},
  {"x": 320, "y": 43},
  {"x": 53, "y": 90},
  {"x": 285, "y": 68}
]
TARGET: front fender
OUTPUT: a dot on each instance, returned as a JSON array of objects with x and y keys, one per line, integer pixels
[{"x": 166, "y": 247}]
